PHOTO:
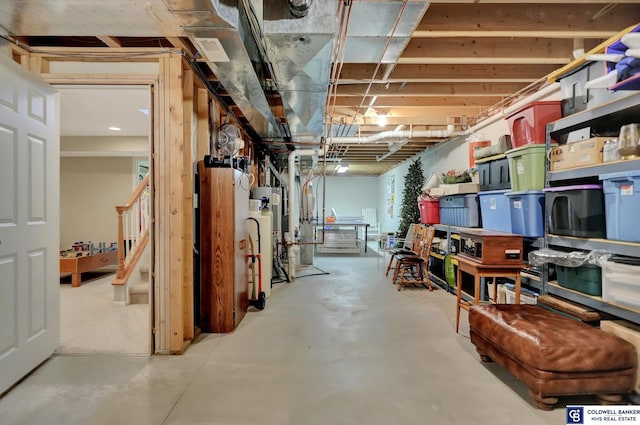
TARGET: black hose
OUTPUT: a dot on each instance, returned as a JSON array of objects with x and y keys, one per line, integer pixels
[{"x": 257, "y": 224}]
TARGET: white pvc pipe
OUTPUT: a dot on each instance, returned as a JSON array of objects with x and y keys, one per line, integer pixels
[
  {"x": 449, "y": 132},
  {"x": 292, "y": 198},
  {"x": 400, "y": 134}
]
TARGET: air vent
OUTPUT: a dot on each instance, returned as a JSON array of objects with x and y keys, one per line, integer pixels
[{"x": 212, "y": 49}]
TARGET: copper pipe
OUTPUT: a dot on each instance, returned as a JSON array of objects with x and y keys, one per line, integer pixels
[{"x": 339, "y": 52}]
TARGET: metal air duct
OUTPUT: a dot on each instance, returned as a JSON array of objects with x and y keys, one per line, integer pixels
[
  {"x": 223, "y": 34},
  {"x": 300, "y": 52},
  {"x": 299, "y": 8}
]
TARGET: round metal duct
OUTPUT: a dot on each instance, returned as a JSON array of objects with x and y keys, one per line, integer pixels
[{"x": 299, "y": 8}]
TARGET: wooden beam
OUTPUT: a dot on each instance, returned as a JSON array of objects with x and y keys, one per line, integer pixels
[
  {"x": 109, "y": 41},
  {"x": 397, "y": 115},
  {"x": 182, "y": 44},
  {"x": 577, "y": 2},
  {"x": 203, "y": 122},
  {"x": 443, "y": 79},
  {"x": 518, "y": 16},
  {"x": 431, "y": 89},
  {"x": 524, "y": 60},
  {"x": 502, "y": 49},
  {"x": 38, "y": 64},
  {"x": 160, "y": 158},
  {"x": 420, "y": 102},
  {"x": 585, "y": 34},
  {"x": 176, "y": 150},
  {"x": 20, "y": 55},
  {"x": 188, "y": 240},
  {"x": 106, "y": 79},
  {"x": 601, "y": 48},
  {"x": 440, "y": 72}
]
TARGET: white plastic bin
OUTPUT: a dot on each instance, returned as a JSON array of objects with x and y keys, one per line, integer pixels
[
  {"x": 526, "y": 296},
  {"x": 620, "y": 283}
]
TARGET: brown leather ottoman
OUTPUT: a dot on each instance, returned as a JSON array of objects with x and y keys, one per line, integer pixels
[{"x": 552, "y": 354}]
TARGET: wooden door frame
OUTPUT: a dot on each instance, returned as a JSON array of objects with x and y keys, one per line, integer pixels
[{"x": 175, "y": 98}]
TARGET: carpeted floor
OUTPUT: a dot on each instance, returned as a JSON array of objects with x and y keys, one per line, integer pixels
[{"x": 91, "y": 323}]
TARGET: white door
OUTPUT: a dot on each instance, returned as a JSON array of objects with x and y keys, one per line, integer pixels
[{"x": 29, "y": 222}]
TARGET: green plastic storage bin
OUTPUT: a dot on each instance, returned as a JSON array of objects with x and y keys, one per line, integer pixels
[
  {"x": 450, "y": 270},
  {"x": 585, "y": 279},
  {"x": 526, "y": 167}
]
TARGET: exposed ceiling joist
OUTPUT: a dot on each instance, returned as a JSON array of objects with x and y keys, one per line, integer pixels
[
  {"x": 109, "y": 41},
  {"x": 451, "y": 65}
]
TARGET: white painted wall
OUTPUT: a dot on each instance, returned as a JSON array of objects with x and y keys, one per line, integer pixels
[
  {"x": 348, "y": 195},
  {"x": 439, "y": 159},
  {"x": 104, "y": 144},
  {"x": 453, "y": 154},
  {"x": 90, "y": 188}
]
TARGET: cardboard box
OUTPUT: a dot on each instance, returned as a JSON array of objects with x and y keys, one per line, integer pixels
[
  {"x": 577, "y": 154},
  {"x": 454, "y": 189}
]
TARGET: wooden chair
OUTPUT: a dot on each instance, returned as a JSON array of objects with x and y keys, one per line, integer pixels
[
  {"x": 414, "y": 269},
  {"x": 410, "y": 245}
]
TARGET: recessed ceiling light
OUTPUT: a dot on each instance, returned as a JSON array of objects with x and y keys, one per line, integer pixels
[
  {"x": 342, "y": 169},
  {"x": 114, "y": 128}
]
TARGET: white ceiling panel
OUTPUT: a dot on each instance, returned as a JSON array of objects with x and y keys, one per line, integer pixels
[{"x": 90, "y": 111}]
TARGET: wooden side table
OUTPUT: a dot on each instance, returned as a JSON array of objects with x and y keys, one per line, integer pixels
[{"x": 479, "y": 271}]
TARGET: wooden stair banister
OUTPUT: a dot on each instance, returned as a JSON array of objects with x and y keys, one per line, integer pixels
[{"x": 133, "y": 231}]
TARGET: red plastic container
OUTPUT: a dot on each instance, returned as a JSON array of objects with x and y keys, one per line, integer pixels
[
  {"x": 528, "y": 125},
  {"x": 429, "y": 211},
  {"x": 472, "y": 148}
]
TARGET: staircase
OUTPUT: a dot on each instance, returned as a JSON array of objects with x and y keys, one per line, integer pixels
[
  {"x": 133, "y": 238},
  {"x": 139, "y": 292}
]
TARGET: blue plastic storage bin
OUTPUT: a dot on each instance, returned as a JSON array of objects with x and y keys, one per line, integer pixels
[
  {"x": 494, "y": 208},
  {"x": 622, "y": 204},
  {"x": 527, "y": 212},
  {"x": 460, "y": 210}
]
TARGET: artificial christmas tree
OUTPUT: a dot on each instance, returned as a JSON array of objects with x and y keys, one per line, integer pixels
[{"x": 409, "y": 211}]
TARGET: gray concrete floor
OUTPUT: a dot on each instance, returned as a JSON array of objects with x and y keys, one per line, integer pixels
[{"x": 337, "y": 348}]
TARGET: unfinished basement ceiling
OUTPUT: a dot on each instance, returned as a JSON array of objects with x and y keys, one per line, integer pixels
[{"x": 421, "y": 64}]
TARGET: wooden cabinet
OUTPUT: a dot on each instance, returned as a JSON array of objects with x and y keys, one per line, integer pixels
[
  {"x": 223, "y": 210},
  {"x": 490, "y": 247}
]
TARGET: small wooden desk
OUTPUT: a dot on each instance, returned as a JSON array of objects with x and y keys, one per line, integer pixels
[
  {"x": 78, "y": 265},
  {"x": 479, "y": 270}
]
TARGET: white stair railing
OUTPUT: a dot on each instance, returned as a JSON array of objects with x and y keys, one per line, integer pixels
[{"x": 133, "y": 230}]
